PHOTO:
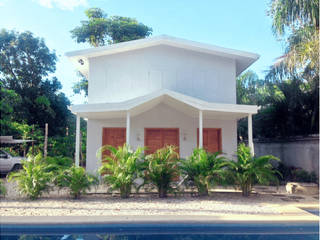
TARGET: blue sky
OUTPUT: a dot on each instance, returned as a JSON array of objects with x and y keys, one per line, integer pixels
[{"x": 236, "y": 24}]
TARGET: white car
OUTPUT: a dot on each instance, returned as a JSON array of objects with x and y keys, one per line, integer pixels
[{"x": 9, "y": 163}]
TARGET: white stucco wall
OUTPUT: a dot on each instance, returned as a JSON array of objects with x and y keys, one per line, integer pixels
[
  {"x": 123, "y": 76},
  {"x": 162, "y": 116}
]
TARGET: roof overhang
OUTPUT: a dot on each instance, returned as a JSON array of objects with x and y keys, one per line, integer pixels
[
  {"x": 182, "y": 103},
  {"x": 80, "y": 58}
]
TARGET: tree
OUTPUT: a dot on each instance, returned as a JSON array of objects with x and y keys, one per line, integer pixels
[
  {"x": 298, "y": 23},
  {"x": 100, "y": 30},
  {"x": 25, "y": 65},
  {"x": 299, "y": 20},
  {"x": 93, "y": 31}
]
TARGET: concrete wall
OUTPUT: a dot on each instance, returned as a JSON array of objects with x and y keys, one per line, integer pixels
[
  {"x": 161, "y": 116},
  {"x": 124, "y": 76},
  {"x": 302, "y": 153}
]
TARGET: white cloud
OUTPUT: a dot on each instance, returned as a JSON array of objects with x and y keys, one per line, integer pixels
[{"x": 62, "y": 4}]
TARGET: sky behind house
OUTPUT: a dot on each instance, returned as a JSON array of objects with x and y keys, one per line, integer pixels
[{"x": 242, "y": 25}]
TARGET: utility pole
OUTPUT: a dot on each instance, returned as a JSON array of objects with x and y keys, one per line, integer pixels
[{"x": 45, "y": 150}]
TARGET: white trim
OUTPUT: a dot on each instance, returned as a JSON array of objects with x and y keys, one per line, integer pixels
[
  {"x": 191, "y": 101},
  {"x": 244, "y": 59},
  {"x": 77, "y": 152},
  {"x": 250, "y": 138},
  {"x": 128, "y": 129},
  {"x": 200, "y": 130}
]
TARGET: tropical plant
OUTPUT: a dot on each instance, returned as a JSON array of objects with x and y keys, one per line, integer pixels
[
  {"x": 248, "y": 170},
  {"x": 76, "y": 179},
  {"x": 297, "y": 23},
  {"x": 99, "y": 30},
  {"x": 34, "y": 178},
  {"x": 204, "y": 169},
  {"x": 58, "y": 163},
  {"x": 3, "y": 190},
  {"x": 162, "y": 168},
  {"x": 121, "y": 167}
]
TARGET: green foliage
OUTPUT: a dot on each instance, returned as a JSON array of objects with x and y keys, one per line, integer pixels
[
  {"x": 298, "y": 68},
  {"x": 204, "y": 169},
  {"x": 34, "y": 178},
  {"x": 76, "y": 180},
  {"x": 251, "y": 90},
  {"x": 288, "y": 108},
  {"x": 122, "y": 166},
  {"x": 81, "y": 85},
  {"x": 3, "y": 190},
  {"x": 99, "y": 29},
  {"x": 293, "y": 174},
  {"x": 288, "y": 15},
  {"x": 122, "y": 29},
  {"x": 249, "y": 169},
  {"x": 162, "y": 168},
  {"x": 27, "y": 95},
  {"x": 58, "y": 163}
]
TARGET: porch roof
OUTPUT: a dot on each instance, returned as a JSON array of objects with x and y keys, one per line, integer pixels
[{"x": 183, "y": 103}]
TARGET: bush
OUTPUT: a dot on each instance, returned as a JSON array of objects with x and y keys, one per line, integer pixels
[
  {"x": 76, "y": 180},
  {"x": 204, "y": 169},
  {"x": 3, "y": 190},
  {"x": 121, "y": 168},
  {"x": 162, "y": 168},
  {"x": 249, "y": 169},
  {"x": 34, "y": 178},
  {"x": 58, "y": 163},
  {"x": 293, "y": 174}
]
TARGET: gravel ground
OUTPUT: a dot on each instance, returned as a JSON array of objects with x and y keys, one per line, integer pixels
[{"x": 60, "y": 204}]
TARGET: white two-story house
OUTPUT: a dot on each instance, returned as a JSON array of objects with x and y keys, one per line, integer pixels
[{"x": 161, "y": 90}]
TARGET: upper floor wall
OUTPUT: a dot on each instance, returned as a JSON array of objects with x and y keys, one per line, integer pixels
[{"x": 123, "y": 76}]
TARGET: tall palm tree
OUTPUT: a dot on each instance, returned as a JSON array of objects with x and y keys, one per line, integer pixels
[{"x": 299, "y": 19}]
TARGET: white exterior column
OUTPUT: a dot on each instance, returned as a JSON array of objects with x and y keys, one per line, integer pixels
[
  {"x": 128, "y": 129},
  {"x": 250, "y": 138},
  {"x": 200, "y": 129},
  {"x": 77, "y": 153}
]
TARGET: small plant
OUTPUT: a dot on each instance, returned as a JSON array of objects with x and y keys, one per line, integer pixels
[
  {"x": 33, "y": 179},
  {"x": 204, "y": 169},
  {"x": 249, "y": 169},
  {"x": 77, "y": 180},
  {"x": 293, "y": 174},
  {"x": 3, "y": 190},
  {"x": 162, "y": 168},
  {"x": 58, "y": 163},
  {"x": 122, "y": 166}
]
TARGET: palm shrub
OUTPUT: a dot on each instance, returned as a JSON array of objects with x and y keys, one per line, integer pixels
[
  {"x": 58, "y": 163},
  {"x": 122, "y": 166},
  {"x": 204, "y": 169},
  {"x": 162, "y": 168},
  {"x": 3, "y": 190},
  {"x": 34, "y": 178},
  {"x": 76, "y": 179},
  {"x": 248, "y": 169}
]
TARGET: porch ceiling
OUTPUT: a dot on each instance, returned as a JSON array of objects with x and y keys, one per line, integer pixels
[{"x": 182, "y": 103}]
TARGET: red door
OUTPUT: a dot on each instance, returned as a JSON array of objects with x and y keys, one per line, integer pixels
[
  {"x": 211, "y": 139},
  {"x": 156, "y": 138},
  {"x": 113, "y": 136}
]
